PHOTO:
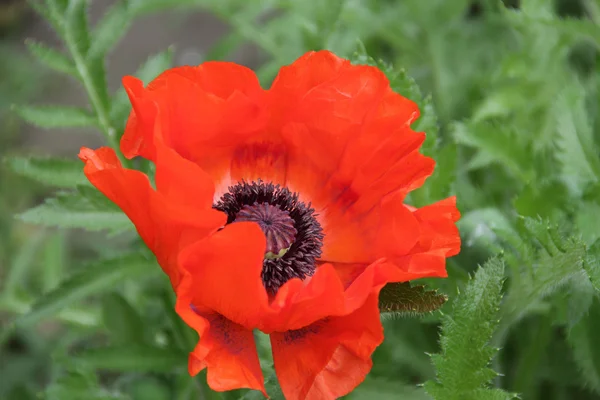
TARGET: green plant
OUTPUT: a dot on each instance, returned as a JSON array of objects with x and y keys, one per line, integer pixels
[{"x": 512, "y": 121}]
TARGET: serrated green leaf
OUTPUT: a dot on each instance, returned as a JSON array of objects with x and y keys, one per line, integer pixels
[
  {"x": 59, "y": 172},
  {"x": 580, "y": 162},
  {"x": 76, "y": 24},
  {"x": 401, "y": 298},
  {"x": 86, "y": 208},
  {"x": 52, "y": 213},
  {"x": 496, "y": 143},
  {"x": 92, "y": 73},
  {"x": 462, "y": 366},
  {"x": 572, "y": 302},
  {"x": 51, "y": 58},
  {"x": 52, "y": 12},
  {"x": 122, "y": 320},
  {"x": 547, "y": 269},
  {"x": 94, "y": 199},
  {"x": 545, "y": 233},
  {"x": 544, "y": 199},
  {"x": 136, "y": 358},
  {"x": 109, "y": 30},
  {"x": 95, "y": 278},
  {"x": 56, "y": 116}
]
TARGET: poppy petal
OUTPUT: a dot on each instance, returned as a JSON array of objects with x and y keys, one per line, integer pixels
[
  {"x": 329, "y": 358},
  {"x": 334, "y": 290},
  {"x": 417, "y": 241},
  {"x": 206, "y": 113},
  {"x": 439, "y": 239},
  {"x": 162, "y": 219},
  {"x": 182, "y": 181},
  {"x": 227, "y": 349},
  {"x": 224, "y": 271},
  {"x": 390, "y": 227},
  {"x": 349, "y": 145}
]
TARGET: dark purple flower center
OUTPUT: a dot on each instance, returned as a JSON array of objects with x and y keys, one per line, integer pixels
[
  {"x": 294, "y": 236},
  {"x": 276, "y": 223}
]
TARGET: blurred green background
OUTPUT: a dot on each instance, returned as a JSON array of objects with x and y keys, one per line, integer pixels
[{"x": 509, "y": 93}]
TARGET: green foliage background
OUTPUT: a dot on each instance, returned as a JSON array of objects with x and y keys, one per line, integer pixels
[{"x": 509, "y": 100}]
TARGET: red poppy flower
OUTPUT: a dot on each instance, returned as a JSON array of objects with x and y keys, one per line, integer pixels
[{"x": 280, "y": 210}]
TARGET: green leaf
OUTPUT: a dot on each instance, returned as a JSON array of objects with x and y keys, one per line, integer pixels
[
  {"x": 485, "y": 227},
  {"x": 79, "y": 382},
  {"x": 92, "y": 279},
  {"x": 496, "y": 143},
  {"x": 592, "y": 265},
  {"x": 148, "y": 6},
  {"x": 59, "y": 172},
  {"x": 50, "y": 215},
  {"x": 109, "y": 30},
  {"x": 55, "y": 260},
  {"x": 462, "y": 367},
  {"x": 538, "y": 13},
  {"x": 51, "y": 58},
  {"x": 580, "y": 162},
  {"x": 542, "y": 271},
  {"x": 92, "y": 73},
  {"x": 56, "y": 116},
  {"x": 585, "y": 342},
  {"x": 588, "y": 221},
  {"x": 52, "y": 12},
  {"x": 122, "y": 320},
  {"x": 87, "y": 209},
  {"x": 76, "y": 24},
  {"x": 401, "y": 298},
  {"x": 135, "y": 358},
  {"x": 154, "y": 388},
  {"x": 573, "y": 302},
  {"x": 21, "y": 263}
]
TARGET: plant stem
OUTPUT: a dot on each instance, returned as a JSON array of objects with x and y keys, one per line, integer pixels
[{"x": 100, "y": 108}]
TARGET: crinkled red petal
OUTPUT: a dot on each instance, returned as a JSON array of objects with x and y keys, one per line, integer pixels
[
  {"x": 227, "y": 349},
  {"x": 166, "y": 219},
  {"x": 329, "y": 358}
]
